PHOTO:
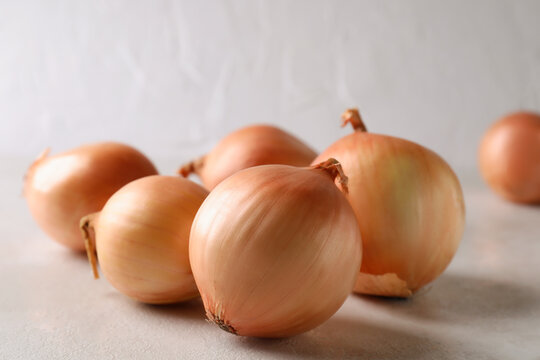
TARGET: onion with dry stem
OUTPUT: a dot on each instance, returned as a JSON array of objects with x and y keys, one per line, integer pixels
[
  {"x": 409, "y": 206},
  {"x": 275, "y": 249},
  {"x": 141, "y": 238},
  {"x": 61, "y": 189},
  {"x": 247, "y": 147},
  {"x": 509, "y": 157}
]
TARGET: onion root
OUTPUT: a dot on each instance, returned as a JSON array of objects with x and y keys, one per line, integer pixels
[
  {"x": 223, "y": 325},
  {"x": 389, "y": 285}
]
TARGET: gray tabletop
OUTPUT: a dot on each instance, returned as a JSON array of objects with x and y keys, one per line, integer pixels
[{"x": 485, "y": 306}]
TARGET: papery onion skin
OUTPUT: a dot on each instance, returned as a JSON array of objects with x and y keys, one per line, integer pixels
[
  {"x": 250, "y": 146},
  {"x": 509, "y": 157},
  {"x": 142, "y": 237},
  {"x": 410, "y": 210},
  {"x": 61, "y": 189},
  {"x": 274, "y": 250}
]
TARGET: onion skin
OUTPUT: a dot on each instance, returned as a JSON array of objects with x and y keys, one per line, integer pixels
[
  {"x": 61, "y": 189},
  {"x": 509, "y": 157},
  {"x": 142, "y": 238},
  {"x": 409, "y": 206},
  {"x": 274, "y": 250},
  {"x": 250, "y": 146}
]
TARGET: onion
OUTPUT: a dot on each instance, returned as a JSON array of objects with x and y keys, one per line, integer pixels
[
  {"x": 275, "y": 249},
  {"x": 409, "y": 206},
  {"x": 141, "y": 238},
  {"x": 509, "y": 157},
  {"x": 61, "y": 189},
  {"x": 247, "y": 147}
]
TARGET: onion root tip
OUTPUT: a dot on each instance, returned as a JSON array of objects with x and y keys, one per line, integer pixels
[{"x": 223, "y": 325}]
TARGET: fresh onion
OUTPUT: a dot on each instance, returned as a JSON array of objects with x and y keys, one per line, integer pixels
[
  {"x": 409, "y": 206},
  {"x": 247, "y": 147},
  {"x": 60, "y": 189},
  {"x": 275, "y": 249},
  {"x": 509, "y": 157},
  {"x": 141, "y": 238}
]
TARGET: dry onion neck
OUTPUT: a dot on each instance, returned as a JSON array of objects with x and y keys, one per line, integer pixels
[
  {"x": 333, "y": 168},
  {"x": 352, "y": 116},
  {"x": 87, "y": 229},
  {"x": 194, "y": 166}
]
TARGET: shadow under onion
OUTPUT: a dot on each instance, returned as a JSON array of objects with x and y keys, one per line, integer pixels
[
  {"x": 465, "y": 299},
  {"x": 348, "y": 338}
]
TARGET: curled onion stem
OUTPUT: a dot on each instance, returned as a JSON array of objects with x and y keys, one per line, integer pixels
[
  {"x": 352, "y": 116},
  {"x": 192, "y": 167},
  {"x": 334, "y": 169},
  {"x": 87, "y": 229}
]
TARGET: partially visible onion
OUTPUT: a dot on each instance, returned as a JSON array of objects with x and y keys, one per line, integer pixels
[
  {"x": 275, "y": 249},
  {"x": 61, "y": 189},
  {"x": 409, "y": 206},
  {"x": 509, "y": 157},
  {"x": 247, "y": 147},
  {"x": 141, "y": 237}
]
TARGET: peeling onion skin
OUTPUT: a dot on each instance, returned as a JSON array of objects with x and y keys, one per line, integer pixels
[
  {"x": 250, "y": 146},
  {"x": 142, "y": 238},
  {"x": 509, "y": 157},
  {"x": 275, "y": 251},
  {"x": 409, "y": 206},
  {"x": 61, "y": 189}
]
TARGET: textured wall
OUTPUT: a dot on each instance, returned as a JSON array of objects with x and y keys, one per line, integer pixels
[{"x": 172, "y": 77}]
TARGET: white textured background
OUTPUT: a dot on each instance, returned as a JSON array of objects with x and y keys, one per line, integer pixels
[{"x": 173, "y": 77}]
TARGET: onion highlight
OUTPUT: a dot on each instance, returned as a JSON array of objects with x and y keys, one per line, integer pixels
[
  {"x": 61, "y": 189},
  {"x": 409, "y": 206},
  {"x": 247, "y": 147}
]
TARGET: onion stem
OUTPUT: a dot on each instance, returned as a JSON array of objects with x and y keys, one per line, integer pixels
[
  {"x": 352, "y": 116},
  {"x": 194, "y": 166},
  {"x": 87, "y": 226},
  {"x": 334, "y": 169}
]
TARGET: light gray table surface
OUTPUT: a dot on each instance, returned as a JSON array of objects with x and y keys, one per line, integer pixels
[{"x": 485, "y": 306}]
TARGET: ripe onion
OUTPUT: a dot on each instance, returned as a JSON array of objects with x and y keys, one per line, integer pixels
[
  {"x": 247, "y": 147},
  {"x": 409, "y": 206},
  {"x": 275, "y": 249},
  {"x": 61, "y": 189},
  {"x": 509, "y": 157},
  {"x": 141, "y": 238}
]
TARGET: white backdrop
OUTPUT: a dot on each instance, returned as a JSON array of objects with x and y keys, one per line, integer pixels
[{"x": 173, "y": 77}]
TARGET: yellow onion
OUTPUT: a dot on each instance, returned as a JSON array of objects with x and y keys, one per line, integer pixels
[
  {"x": 275, "y": 249},
  {"x": 509, "y": 157},
  {"x": 61, "y": 189},
  {"x": 141, "y": 238},
  {"x": 247, "y": 147},
  {"x": 409, "y": 206}
]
